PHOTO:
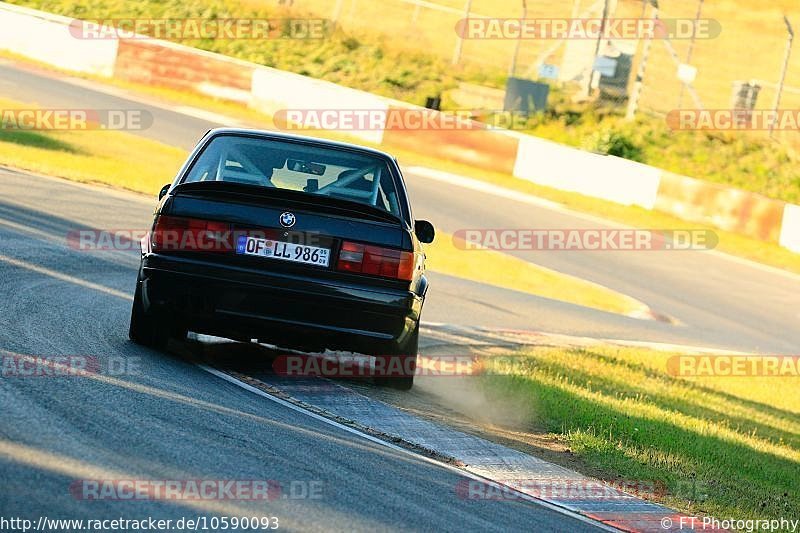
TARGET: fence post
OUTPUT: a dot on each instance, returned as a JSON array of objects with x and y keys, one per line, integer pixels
[
  {"x": 601, "y": 35},
  {"x": 788, "y": 54},
  {"x": 633, "y": 103},
  {"x": 337, "y": 12},
  {"x": 691, "y": 48},
  {"x": 459, "y": 39},
  {"x": 513, "y": 70}
]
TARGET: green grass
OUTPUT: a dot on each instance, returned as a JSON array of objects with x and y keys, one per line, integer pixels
[
  {"x": 115, "y": 158},
  {"x": 34, "y": 139},
  {"x": 738, "y": 245},
  {"x": 745, "y": 160},
  {"x": 409, "y": 60},
  {"x": 94, "y": 156},
  {"x": 445, "y": 256},
  {"x": 734, "y": 244},
  {"x": 725, "y": 446},
  {"x": 369, "y": 62}
]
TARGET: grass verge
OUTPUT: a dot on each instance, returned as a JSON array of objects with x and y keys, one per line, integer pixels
[
  {"x": 381, "y": 59},
  {"x": 731, "y": 243},
  {"x": 723, "y": 446},
  {"x": 445, "y": 256},
  {"x": 738, "y": 245},
  {"x": 116, "y": 158},
  {"x": 92, "y": 156}
]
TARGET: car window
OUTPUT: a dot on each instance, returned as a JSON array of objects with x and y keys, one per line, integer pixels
[{"x": 291, "y": 166}]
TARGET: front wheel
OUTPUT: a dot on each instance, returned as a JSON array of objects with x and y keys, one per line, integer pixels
[{"x": 404, "y": 357}]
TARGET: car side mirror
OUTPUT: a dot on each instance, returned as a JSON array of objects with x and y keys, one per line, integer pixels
[
  {"x": 164, "y": 190},
  {"x": 424, "y": 231}
]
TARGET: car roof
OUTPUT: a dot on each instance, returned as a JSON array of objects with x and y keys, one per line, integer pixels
[{"x": 282, "y": 136}]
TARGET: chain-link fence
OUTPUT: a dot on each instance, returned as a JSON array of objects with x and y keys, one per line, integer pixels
[
  {"x": 706, "y": 71},
  {"x": 430, "y": 25},
  {"x": 740, "y": 67}
]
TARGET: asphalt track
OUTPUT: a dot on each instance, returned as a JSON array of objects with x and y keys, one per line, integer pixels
[
  {"x": 165, "y": 418},
  {"x": 160, "y": 417},
  {"x": 718, "y": 301}
]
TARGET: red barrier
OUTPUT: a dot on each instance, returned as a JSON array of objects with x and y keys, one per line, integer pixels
[
  {"x": 158, "y": 63},
  {"x": 479, "y": 147},
  {"x": 727, "y": 208}
]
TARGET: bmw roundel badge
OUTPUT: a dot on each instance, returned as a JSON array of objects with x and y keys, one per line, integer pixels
[{"x": 287, "y": 219}]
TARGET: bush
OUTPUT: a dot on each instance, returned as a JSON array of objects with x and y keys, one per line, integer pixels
[{"x": 615, "y": 143}]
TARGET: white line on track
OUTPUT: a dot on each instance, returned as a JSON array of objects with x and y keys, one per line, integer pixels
[
  {"x": 518, "y": 196},
  {"x": 127, "y": 94},
  {"x": 424, "y": 172},
  {"x": 65, "y": 277},
  {"x": 371, "y": 438}
]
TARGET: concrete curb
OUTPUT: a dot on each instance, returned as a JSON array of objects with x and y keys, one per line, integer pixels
[{"x": 47, "y": 38}]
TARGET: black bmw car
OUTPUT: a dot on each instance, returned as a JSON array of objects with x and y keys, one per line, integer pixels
[{"x": 301, "y": 243}]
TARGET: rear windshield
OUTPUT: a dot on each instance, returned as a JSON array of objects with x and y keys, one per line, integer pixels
[{"x": 296, "y": 167}]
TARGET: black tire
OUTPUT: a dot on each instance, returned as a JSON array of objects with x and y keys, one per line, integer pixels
[
  {"x": 407, "y": 353},
  {"x": 145, "y": 328}
]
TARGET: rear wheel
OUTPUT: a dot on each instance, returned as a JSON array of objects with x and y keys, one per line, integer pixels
[
  {"x": 403, "y": 357},
  {"x": 146, "y": 328}
]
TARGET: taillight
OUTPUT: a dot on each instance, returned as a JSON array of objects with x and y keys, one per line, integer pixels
[
  {"x": 376, "y": 261},
  {"x": 191, "y": 234}
]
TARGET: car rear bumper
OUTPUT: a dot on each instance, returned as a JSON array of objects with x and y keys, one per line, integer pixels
[{"x": 291, "y": 311}]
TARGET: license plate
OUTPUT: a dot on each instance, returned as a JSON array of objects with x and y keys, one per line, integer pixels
[{"x": 284, "y": 251}]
